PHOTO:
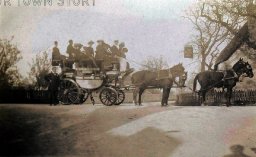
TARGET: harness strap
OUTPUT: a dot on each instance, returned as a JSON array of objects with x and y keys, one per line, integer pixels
[
  {"x": 169, "y": 76},
  {"x": 228, "y": 78}
]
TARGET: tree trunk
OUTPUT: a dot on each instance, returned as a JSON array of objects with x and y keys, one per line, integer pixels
[{"x": 203, "y": 63}]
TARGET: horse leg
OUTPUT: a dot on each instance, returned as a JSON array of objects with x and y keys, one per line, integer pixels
[
  {"x": 135, "y": 92},
  {"x": 165, "y": 97},
  {"x": 203, "y": 97},
  {"x": 141, "y": 90}
]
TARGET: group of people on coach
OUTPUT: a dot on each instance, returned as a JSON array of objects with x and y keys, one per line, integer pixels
[{"x": 79, "y": 53}]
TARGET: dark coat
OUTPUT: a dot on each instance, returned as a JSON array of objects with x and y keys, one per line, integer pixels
[
  {"x": 77, "y": 54},
  {"x": 115, "y": 51},
  {"x": 71, "y": 51},
  {"x": 54, "y": 81},
  {"x": 100, "y": 52},
  {"x": 89, "y": 52},
  {"x": 56, "y": 54}
]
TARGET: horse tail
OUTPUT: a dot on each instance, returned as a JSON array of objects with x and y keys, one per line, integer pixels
[
  {"x": 216, "y": 67},
  {"x": 195, "y": 81}
]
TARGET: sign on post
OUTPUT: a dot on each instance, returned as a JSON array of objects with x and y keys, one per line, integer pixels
[{"x": 188, "y": 51}]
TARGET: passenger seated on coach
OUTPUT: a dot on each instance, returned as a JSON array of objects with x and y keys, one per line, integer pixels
[
  {"x": 89, "y": 49},
  {"x": 70, "y": 50},
  {"x": 77, "y": 54},
  {"x": 100, "y": 53},
  {"x": 88, "y": 56},
  {"x": 108, "y": 58},
  {"x": 71, "y": 55},
  {"x": 55, "y": 54},
  {"x": 115, "y": 51},
  {"x": 57, "y": 58}
]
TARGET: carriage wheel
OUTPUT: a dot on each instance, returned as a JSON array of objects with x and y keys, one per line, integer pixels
[
  {"x": 120, "y": 97},
  {"x": 108, "y": 96},
  {"x": 69, "y": 92}
]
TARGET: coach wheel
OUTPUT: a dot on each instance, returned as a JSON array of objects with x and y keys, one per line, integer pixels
[
  {"x": 69, "y": 92},
  {"x": 120, "y": 97},
  {"x": 108, "y": 96}
]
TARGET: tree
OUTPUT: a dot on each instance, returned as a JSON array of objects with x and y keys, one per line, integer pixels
[
  {"x": 154, "y": 63},
  {"x": 9, "y": 56},
  {"x": 215, "y": 22},
  {"x": 230, "y": 14},
  {"x": 40, "y": 67}
]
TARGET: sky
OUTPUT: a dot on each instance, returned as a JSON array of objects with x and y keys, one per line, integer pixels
[{"x": 148, "y": 28}]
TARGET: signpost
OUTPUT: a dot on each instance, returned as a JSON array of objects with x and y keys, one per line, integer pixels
[{"x": 188, "y": 51}]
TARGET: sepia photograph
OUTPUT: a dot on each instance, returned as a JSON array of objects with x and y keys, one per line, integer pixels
[{"x": 128, "y": 78}]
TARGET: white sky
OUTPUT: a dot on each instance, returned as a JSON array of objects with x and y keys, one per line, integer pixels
[{"x": 148, "y": 27}]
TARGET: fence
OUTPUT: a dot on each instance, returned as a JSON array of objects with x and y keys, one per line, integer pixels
[
  {"x": 24, "y": 96},
  {"x": 239, "y": 97},
  {"x": 214, "y": 97},
  {"x": 42, "y": 97}
]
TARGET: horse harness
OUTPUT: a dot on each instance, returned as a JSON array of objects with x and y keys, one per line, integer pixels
[
  {"x": 229, "y": 78},
  {"x": 166, "y": 74},
  {"x": 224, "y": 79}
]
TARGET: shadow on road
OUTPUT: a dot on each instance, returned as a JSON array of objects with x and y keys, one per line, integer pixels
[
  {"x": 236, "y": 151},
  {"x": 43, "y": 131}
]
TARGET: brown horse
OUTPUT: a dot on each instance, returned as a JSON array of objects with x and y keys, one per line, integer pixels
[
  {"x": 145, "y": 78},
  {"x": 222, "y": 79}
]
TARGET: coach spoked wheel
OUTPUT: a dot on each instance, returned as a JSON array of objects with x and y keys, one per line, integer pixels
[
  {"x": 69, "y": 92},
  {"x": 120, "y": 97},
  {"x": 108, "y": 96}
]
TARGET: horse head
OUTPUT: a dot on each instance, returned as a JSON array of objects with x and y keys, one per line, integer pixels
[
  {"x": 177, "y": 70},
  {"x": 182, "y": 79},
  {"x": 242, "y": 67}
]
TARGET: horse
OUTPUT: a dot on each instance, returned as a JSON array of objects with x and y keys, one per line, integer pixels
[
  {"x": 145, "y": 78},
  {"x": 226, "y": 79}
]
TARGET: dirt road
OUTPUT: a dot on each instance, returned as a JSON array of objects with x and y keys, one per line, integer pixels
[{"x": 150, "y": 131}]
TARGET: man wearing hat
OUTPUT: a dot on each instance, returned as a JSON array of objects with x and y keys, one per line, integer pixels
[
  {"x": 100, "y": 50},
  {"x": 89, "y": 49},
  {"x": 56, "y": 57},
  {"x": 70, "y": 50},
  {"x": 88, "y": 55},
  {"x": 55, "y": 51},
  {"x": 77, "y": 52}
]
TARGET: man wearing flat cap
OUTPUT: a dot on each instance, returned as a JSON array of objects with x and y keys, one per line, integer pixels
[
  {"x": 70, "y": 50},
  {"x": 89, "y": 49}
]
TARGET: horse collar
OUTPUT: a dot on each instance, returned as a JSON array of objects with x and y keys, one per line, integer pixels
[{"x": 227, "y": 78}]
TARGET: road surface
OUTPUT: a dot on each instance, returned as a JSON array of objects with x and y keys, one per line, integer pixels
[{"x": 128, "y": 130}]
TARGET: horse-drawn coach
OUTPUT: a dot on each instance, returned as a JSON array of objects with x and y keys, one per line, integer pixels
[{"x": 78, "y": 81}]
